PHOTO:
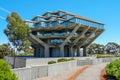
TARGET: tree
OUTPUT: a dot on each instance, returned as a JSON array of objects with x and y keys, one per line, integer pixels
[
  {"x": 5, "y": 50},
  {"x": 112, "y": 48},
  {"x": 5, "y": 72},
  {"x": 17, "y": 32},
  {"x": 96, "y": 49}
]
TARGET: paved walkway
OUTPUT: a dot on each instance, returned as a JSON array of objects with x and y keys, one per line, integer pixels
[{"x": 92, "y": 73}]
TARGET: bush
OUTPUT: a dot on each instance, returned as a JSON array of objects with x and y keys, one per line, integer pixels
[
  {"x": 70, "y": 59},
  {"x": 5, "y": 72},
  {"x": 113, "y": 69},
  {"x": 62, "y": 60},
  {"x": 65, "y": 59},
  {"x": 22, "y": 54},
  {"x": 51, "y": 62},
  {"x": 105, "y": 56}
]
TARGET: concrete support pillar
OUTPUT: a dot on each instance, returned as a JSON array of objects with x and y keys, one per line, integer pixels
[
  {"x": 70, "y": 51},
  {"x": 75, "y": 52},
  {"x": 37, "y": 54},
  {"x": 34, "y": 52},
  {"x": 46, "y": 52},
  {"x": 84, "y": 51},
  {"x": 41, "y": 52},
  {"x": 61, "y": 51},
  {"x": 78, "y": 51}
]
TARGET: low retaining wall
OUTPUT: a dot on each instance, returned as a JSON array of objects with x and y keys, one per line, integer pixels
[
  {"x": 30, "y": 61},
  {"x": 32, "y": 72}
]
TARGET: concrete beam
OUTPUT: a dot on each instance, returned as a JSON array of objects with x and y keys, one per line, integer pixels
[
  {"x": 81, "y": 35},
  {"x": 76, "y": 27},
  {"x": 94, "y": 38},
  {"x": 88, "y": 37},
  {"x": 38, "y": 40}
]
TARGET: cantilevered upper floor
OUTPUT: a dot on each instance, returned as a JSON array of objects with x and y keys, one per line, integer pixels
[
  {"x": 59, "y": 31},
  {"x": 61, "y": 18}
]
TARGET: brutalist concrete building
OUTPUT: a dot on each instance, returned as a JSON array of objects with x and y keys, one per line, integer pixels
[{"x": 62, "y": 34}]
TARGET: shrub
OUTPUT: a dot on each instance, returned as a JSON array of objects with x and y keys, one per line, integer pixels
[
  {"x": 105, "y": 56},
  {"x": 5, "y": 72},
  {"x": 70, "y": 59},
  {"x": 62, "y": 60},
  {"x": 51, "y": 62},
  {"x": 22, "y": 54},
  {"x": 113, "y": 69}
]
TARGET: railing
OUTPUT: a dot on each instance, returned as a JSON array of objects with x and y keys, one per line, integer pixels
[{"x": 68, "y": 23}]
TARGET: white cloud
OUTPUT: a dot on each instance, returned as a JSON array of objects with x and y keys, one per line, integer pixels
[
  {"x": 5, "y": 10},
  {"x": 2, "y": 18}
]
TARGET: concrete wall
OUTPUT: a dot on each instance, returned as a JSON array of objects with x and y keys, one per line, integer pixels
[
  {"x": 38, "y": 61},
  {"x": 30, "y": 73},
  {"x": 60, "y": 67},
  {"x": 19, "y": 62},
  {"x": 31, "y": 61}
]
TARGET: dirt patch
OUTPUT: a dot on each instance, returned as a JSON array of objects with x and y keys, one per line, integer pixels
[
  {"x": 78, "y": 72},
  {"x": 102, "y": 75}
]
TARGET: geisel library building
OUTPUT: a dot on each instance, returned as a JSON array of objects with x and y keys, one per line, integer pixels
[{"x": 62, "y": 34}]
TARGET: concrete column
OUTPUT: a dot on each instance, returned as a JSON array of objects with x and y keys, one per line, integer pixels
[
  {"x": 41, "y": 52},
  {"x": 37, "y": 52},
  {"x": 78, "y": 51},
  {"x": 46, "y": 52},
  {"x": 75, "y": 51},
  {"x": 61, "y": 51},
  {"x": 34, "y": 52},
  {"x": 70, "y": 51},
  {"x": 84, "y": 51}
]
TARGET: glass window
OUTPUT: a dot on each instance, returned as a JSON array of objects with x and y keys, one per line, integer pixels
[
  {"x": 53, "y": 18},
  {"x": 67, "y": 17},
  {"x": 61, "y": 13},
  {"x": 47, "y": 15},
  {"x": 56, "y": 41},
  {"x": 55, "y": 23}
]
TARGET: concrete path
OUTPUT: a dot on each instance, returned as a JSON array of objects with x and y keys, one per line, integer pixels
[{"x": 92, "y": 73}]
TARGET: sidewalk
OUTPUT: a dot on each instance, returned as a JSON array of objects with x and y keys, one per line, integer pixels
[{"x": 92, "y": 73}]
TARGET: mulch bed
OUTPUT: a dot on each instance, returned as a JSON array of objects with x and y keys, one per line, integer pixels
[
  {"x": 73, "y": 77},
  {"x": 103, "y": 76}
]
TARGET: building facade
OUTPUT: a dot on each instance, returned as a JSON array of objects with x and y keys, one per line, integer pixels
[{"x": 62, "y": 34}]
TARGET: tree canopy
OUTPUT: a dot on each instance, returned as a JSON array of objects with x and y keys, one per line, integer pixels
[
  {"x": 5, "y": 50},
  {"x": 17, "y": 31},
  {"x": 112, "y": 47},
  {"x": 96, "y": 49}
]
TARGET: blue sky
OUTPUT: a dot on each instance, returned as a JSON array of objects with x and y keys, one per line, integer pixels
[{"x": 105, "y": 11}]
